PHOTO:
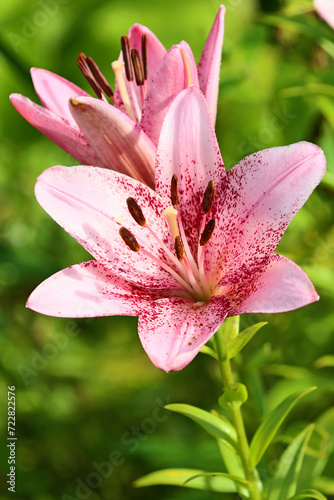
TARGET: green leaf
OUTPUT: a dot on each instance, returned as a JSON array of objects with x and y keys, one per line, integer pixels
[
  {"x": 271, "y": 423},
  {"x": 220, "y": 429},
  {"x": 208, "y": 350},
  {"x": 236, "y": 344},
  {"x": 230, "y": 328},
  {"x": 324, "y": 484},
  {"x": 325, "y": 361},
  {"x": 179, "y": 477},
  {"x": 308, "y": 494},
  {"x": 285, "y": 482},
  {"x": 315, "y": 457},
  {"x": 233, "y": 466},
  {"x": 235, "y": 479}
]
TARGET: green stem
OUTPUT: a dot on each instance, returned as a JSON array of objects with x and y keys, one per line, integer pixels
[{"x": 227, "y": 377}]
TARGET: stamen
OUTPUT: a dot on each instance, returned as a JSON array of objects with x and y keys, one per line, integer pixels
[
  {"x": 137, "y": 67},
  {"x": 170, "y": 213},
  {"x": 136, "y": 212},
  {"x": 129, "y": 239},
  {"x": 207, "y": 233},
  {"x": 127, "y": 57},
  {"x": 173, "y": 191},
  {"x": 208, "y": 198},
  {"x": 85, "y": 70},
  {"x": 117, "y": 66},
  {"x": 144, "y": 55},
  {"x": 99, "y": 77},
  {"x": 187, "y": 65},
  {"x": 179, "y": 248}
]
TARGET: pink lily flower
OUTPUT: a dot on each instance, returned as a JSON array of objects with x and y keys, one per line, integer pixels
[
  {"x": 123, "y": 136},
  {"x": 325, "y": 9},
  {"x": 186, "y": 256}
]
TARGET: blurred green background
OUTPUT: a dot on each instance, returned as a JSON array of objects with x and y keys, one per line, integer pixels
[{"x": 85, "y": 388}]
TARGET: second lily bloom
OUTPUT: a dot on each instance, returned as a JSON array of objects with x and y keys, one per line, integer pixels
[{"x": 124, "y": 136}]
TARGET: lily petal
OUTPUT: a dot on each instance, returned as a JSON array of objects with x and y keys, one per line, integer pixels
[
  {"x": 283, "y": 286},
  {"x": 88, "y": 290},
  {"x": 325, "y": 9},
  {"x": 55, "y": 128},
  {"x": 172, "y": 331},
  {"x": 90, "y": 204},
  {"x": 170, "y": 79},
  {"x": 188, "y": 148},
  {"x": 118, "y": 142},
  {"x": 209, "y": 63},
  {"x": 155, "y": 49},
  {"x": 263, "y": 193},
  {"x": 55, "y": 92}
]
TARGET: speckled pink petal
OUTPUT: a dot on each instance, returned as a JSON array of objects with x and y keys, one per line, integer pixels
[
  {"x": 55, "y": 92},
  {"x": 263, "y": 193},
  {"x": 172, "y": 331},
  {"x": 170, "y": 79},
  {"x": 90, "y": 204},
  {"x": 283, "y": 286},
  {"x": 88, "y": 290},
  {"x": 325, "y": 9},
  {"x": 119, "y": 144},
  {"x": 188, "y": 148},
  {"x": 209, "y": 63},
  {"x": 55, "y": 128}
]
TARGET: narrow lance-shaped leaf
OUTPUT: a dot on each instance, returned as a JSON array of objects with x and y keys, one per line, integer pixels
[
  {"x": 233, "y": 466},
  {"x": 238, "y": 343},
  {"x": 215, "y": 426},
  {"x": 285, "y": 482},
  {"x": 235, "y": 479},
  {"x": 325, "y": 484},
  {"x": 267, "y": 430},
  {"x": 316, "y": 495},
  {"x": 207, "y": 350},
  {"x": 178, "y": 477}
]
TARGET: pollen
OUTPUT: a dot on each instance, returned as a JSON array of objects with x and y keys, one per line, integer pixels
[
  {"x": 173, "y": 191},
  {"x": 127, "y": 57},
  {"x": 136, "y": 212},
  {"x": 207, "y": 233},
  {"x": 129, "y": 239},
  {"x": 138, "y": 67},
  {"x": 179, "y": 249},
  {"x": 208, "y": 197}
]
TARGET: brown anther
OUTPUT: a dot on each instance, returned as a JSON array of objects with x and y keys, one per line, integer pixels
[
  {"x": 137, "y": 67},
  {"x": 179, "y": 248},
  {"x": 135, "y": 211},
  {"x": 127, "y": 58},
  {"x": 85, "y": 70},
  {"x": 99, "y": 77},
  {"x": 129, "y": 239},
  {"x": 207, "y": 233},
  {"x": 144, "y": 55},
  {"x": 173, "y": 191},
  {"x": 208, "y": 198}
]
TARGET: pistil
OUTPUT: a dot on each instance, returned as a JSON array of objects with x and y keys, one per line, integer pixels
[{"x": 117, "y": 67}]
